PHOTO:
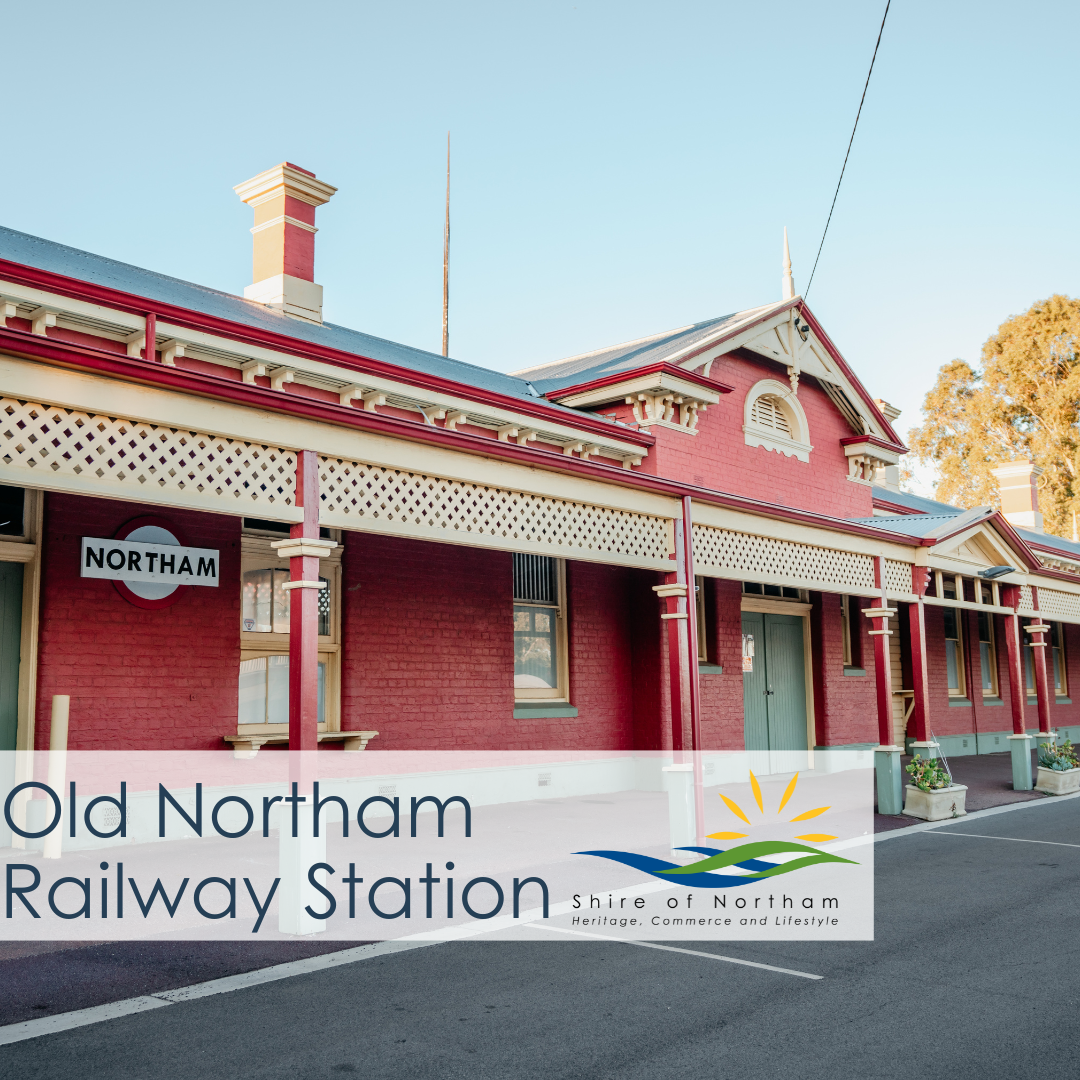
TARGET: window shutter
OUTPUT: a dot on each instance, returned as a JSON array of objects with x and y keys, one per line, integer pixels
[
  {"x": 534, "y": 579},
  {"x": 766, "y": 412}
]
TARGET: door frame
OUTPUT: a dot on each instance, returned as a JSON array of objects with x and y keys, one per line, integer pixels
[
  {"x": 27, "y": 550},
  {"x": 769, "y": 606}
]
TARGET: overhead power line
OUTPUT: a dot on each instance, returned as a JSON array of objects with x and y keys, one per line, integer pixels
[{"x": 848, "y": 154}]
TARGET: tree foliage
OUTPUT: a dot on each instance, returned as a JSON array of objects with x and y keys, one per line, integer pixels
[{"x": 1022, "y": 402}]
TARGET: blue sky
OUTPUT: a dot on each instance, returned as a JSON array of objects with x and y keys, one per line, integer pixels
[{"x": 619, "y": 168}]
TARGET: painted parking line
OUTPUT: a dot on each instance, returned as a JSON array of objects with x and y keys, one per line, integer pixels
[
  {"x": 48, "y": 1025},
  {"x": 51, "y": 1025},
  {"x": 1015, "y": 839},
  {"x": 672, "y": 948}
]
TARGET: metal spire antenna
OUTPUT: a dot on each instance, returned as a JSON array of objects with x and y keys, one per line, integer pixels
[{"x": 446, "y": 261}]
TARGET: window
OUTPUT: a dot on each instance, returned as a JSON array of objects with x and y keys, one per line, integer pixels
[
  {"x": 264, "y": 607},
  {"x": 1055, "y": 660},
  {"x": 699, "y": 600},
  {"x": 850, "y": 629},
  {"x": 539, "y": 633},
  {"x": 987, "y": 655},
  {"x": 774, "y": 419},
  {"x": 779, "y": 592},
  {"x": 264, "y": 634},
  {"x": 954, "y": 652}
]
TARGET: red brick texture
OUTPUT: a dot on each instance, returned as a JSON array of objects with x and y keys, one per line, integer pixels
[
  {"x": 138, "y": 679},
  {"x": 718, "y": 457}
]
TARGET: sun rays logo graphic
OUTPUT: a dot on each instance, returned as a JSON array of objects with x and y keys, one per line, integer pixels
[{"x": 745, "y": 857}]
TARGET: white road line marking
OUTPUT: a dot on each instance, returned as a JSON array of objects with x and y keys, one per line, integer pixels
[
  {"x": 671, "y": 948},
  {"x": 973, "y": 815},
  {"x": 1016, "y": 839},
  {"x": 49, "y": 1025}
]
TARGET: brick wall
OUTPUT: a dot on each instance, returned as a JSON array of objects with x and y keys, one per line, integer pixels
[
  {"x": 428, "y": 646},
  {"x": 845, "y": 706},
  {"x": 138, "y": 679},
  {"x": 718, "y": 457}
]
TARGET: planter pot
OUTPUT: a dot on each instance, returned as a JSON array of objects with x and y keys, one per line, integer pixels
[
  {"x": 1058, "y": 783},
  {"x": 935, "y": 805}
]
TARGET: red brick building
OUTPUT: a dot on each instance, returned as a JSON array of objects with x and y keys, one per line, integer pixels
[{"x": 694, "y": 540}]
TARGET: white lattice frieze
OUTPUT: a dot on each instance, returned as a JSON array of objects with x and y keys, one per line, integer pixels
[
  {"x": 724, "y": 553},
  {"x": 897, "y": 577},
  {"x": 1057, "y": 605},
  {"x": 397, "y": 502},
  {"x": 1027, "y": 603},
  {"x": 44, "y": 446}
]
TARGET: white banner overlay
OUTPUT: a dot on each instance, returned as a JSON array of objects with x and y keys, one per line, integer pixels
[{"x": 439, "y": 845}]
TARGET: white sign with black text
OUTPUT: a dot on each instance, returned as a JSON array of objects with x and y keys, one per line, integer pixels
[{"x": 134, "y": 561}]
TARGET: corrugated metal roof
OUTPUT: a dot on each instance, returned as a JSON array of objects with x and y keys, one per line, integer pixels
[
  {"x": 1066, "y": 547},
  {"x": 96, "y": 269},
  {"x": 630, "y": 355},
  {"x": 914, "y": 502},
  {"x": 907, "y": 524}
]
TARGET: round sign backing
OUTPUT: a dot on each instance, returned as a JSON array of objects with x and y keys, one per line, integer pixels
[{"x": 151, "y": 595}]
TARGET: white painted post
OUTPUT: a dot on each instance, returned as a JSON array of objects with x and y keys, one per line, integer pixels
[
  {"x": 58, "y": 740},
  {"x": 679, "y": 784}
]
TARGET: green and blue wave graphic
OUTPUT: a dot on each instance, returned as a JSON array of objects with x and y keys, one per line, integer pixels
[{"x": 746, "y": 856}]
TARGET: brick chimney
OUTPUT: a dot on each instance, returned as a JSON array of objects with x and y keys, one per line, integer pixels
[
  {"x": 284, "y": 200},
  {"x": 1020, "y": 494}
]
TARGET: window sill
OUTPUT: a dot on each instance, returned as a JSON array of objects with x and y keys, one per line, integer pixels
[
  {"x": 992, "y": 701},
  {"x": 854, "y": 671},
  {"x": 1033, "y": 700},
  {"x": 541, "y": 710},
  {"x": 959, "y": 703},
  {"x": 710, "y": 669}
]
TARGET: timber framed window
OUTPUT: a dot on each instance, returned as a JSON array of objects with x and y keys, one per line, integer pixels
[
  {"x": 776, "y": 592},
  {"x": 850, "y": 634},
  {"x": 702, "y": 630},
  {"x": 987, "y": 655},
  {"x": 1055, "y": 660},
  {"x": 263, "y": 704},
  {"x": 540, "y": 656},
  {"x": 954, "y": 652}
]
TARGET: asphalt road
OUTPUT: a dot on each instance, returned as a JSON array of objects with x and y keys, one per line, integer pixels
[{"x": 973, "y": 973}]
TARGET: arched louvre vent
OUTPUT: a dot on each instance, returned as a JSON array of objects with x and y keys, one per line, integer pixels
[{"x": 766, "y": 412}]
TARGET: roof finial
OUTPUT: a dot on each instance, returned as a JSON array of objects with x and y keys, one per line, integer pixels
[{"x": 789, "y": 283}]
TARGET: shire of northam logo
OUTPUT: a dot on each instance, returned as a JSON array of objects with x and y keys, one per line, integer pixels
[{"x": 718, "y": 869}]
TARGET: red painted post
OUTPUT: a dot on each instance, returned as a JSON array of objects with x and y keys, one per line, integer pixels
[
  {"x": 1017, "y": 687},
  {"x": 150, "y": 345},
  {"x": 693, "y": 675},
  {"x": 920, "y": 682},
  {"x": 881, "y": 633},
  {"x": 304, "y": 612},
  {"x": 1039, "y": 644}
]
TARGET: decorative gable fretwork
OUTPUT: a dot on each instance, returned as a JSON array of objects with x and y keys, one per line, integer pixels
[
  {"x": 725, "y": 553},
  {"x": 55, "y": 448},
  {"x": 399, "y": 502}
]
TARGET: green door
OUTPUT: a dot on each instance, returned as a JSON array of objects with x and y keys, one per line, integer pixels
[
  {"x": 11, "y": 579},
  {"x": 774, "y": 689}
]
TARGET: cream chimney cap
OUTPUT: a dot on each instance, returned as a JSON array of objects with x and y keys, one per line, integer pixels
[{"x": 298, "y": 183}]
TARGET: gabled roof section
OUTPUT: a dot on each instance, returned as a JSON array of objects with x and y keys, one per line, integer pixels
[
  {"x": 911, "y": 504},
  {"x": 785, "y": 332},
  {"x": 631, "y": 355},
  {"x": 53, "y": 258}
]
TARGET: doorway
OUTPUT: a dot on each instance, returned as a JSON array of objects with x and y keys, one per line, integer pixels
[{"x": 774, "y": 681}]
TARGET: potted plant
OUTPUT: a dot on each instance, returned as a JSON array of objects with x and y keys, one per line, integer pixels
[
  {"x": 1059, "y": 769},
  {"x": 932, "y": 795}
]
